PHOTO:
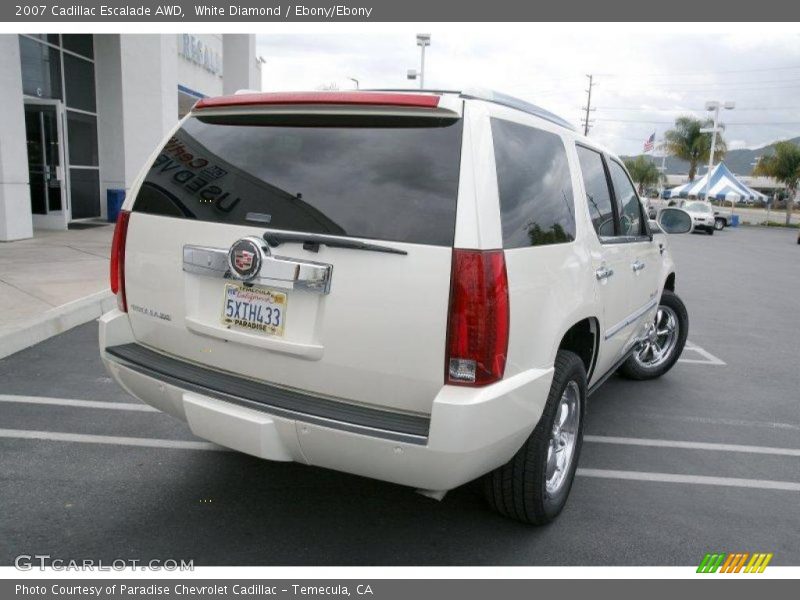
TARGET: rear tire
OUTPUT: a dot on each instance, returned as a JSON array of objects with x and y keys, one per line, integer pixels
[
  {"x": 672, "y": 319},
  {"x": 534, "y": 485}
]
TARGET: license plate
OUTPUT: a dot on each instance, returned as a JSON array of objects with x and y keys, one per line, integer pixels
[{"x": 254, "y": 309}]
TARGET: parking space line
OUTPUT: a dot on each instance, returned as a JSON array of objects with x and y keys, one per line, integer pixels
[
  {"x": 78, "y": 403},
  {"x": 583, "y": 472},
  {"x": 708, "y": 358},
  {"x": 763, "y": 484},
  {"x": 109, "y": 439},
  {"x": 724, "y": 421},
  {"x": 625, "y": 441}
]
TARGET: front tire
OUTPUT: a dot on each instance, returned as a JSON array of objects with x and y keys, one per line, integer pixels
[
  {"x": 719, "y": 224},
  {"x": 710, "y": 231},
  {"x": 659, "y": 353},
  {"x": 534, "y": 485}
]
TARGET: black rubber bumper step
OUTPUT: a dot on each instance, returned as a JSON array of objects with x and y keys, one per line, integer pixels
[{"x": 272, "y": 399}]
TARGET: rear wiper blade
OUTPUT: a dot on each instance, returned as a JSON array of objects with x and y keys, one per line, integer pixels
[{"x": 312, "y": 242}]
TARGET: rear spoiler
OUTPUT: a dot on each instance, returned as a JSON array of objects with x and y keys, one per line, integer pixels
[{"x": 399, "y": 103}]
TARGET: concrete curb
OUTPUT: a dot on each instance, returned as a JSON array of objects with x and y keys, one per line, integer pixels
[{"x": 55, "y": 321}]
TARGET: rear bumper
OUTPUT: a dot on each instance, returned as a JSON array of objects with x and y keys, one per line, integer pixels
[{"x": 469, "y": 432}]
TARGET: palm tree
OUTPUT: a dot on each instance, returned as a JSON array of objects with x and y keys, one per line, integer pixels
[
  {"x": 784, "y": 166},
  {"x": 644, "y": 172},
  {"x": 686, "y": 142}
]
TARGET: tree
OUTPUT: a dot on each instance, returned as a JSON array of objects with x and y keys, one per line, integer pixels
[
  {"x": 784, "y": 165},
  {"x": 644, "y": 172},
  {"x": 686, "y": 142}
]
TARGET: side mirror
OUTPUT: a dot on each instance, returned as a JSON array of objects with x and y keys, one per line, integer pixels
[{"x": 674, "y": 220}]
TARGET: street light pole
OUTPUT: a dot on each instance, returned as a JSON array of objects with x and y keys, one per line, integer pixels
[
  {"x": 423, "y": 41},
  {"x": 714, "y": 105}
]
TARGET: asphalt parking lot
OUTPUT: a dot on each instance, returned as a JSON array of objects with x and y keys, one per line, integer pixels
[{"x": 706, "y": 459}]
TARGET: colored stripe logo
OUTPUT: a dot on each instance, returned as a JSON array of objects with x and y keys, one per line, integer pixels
[{"x": 737, "y": 562}]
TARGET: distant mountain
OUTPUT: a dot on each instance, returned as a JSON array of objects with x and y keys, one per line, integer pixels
[{"x": 740, "y": 162}]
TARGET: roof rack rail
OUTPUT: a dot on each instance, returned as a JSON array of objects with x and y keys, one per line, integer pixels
[
  {"x": 495, "y": 97},
  {"x": 512, "y": 102}
]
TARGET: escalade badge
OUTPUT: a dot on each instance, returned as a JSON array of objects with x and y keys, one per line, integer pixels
[{"x": 244, "y": 257}]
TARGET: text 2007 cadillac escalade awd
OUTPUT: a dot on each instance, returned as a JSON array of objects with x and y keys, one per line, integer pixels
[{"x": 422, "y": 288}]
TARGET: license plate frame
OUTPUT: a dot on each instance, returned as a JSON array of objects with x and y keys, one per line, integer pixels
[{"x": 270, "y": 306}]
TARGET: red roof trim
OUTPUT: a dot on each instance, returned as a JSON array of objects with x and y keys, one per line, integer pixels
[{"x": 336, "y": 98}]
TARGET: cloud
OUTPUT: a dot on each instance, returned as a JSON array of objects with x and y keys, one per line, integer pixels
[{"x": 644, "y": 77}]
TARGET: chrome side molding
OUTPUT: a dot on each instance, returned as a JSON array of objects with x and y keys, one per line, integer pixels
[{"x": 276, "y": 271}]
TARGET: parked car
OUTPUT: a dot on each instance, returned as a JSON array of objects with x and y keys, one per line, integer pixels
[
  {"x": 702, "y": 215},
  {"x": 422, "y": 288}
]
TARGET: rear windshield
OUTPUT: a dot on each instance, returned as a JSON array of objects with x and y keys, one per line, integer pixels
[{"x": 388, "y": 181}]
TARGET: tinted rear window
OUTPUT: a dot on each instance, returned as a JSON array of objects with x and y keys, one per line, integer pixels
[
  {"x": 388, "y": 182},
  {"x": 533, "y": 180}
]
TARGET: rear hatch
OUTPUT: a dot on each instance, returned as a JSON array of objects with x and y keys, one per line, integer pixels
[{"x": 358, "y": 199}]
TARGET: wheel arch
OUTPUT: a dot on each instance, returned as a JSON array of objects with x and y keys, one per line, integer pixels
[
  {"x": 583, "y": 338},
  {"x": 669, "y": 283}
]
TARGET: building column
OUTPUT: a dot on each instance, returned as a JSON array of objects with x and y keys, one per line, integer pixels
[
  {"x": 149, "y": 75},
  {"x": 240, "y": 70},
  {"x": 110, "y": 132},
  {"x": 16, "y": 220}
]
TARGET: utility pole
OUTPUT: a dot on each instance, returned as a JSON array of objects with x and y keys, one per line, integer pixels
[{"x": 588, "y": 108}]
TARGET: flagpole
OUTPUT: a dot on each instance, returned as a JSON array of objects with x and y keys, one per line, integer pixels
[{"x": 663, "y": 164}]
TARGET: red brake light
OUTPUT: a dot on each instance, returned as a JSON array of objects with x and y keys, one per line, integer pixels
[
  {"x": 352, "y": 98},
  {"x": 118, "y": 259},
  {"x": 477, "y": 329}
]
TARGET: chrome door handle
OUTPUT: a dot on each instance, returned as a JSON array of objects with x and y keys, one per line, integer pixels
[
  {"x": 603, "y": 273},
  {"x": 637, "y": 266}
]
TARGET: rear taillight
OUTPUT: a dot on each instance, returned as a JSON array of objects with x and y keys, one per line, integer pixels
[
  {"x": 118, "y": 259},
  {"x": 477, "y": 328}
]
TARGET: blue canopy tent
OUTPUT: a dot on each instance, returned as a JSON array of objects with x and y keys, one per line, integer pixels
[{"x": 722, "y": 185}]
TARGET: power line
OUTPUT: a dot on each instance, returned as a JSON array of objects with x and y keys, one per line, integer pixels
[
  {"x": 727, "y": 123},
  {"x": 738, "y": 109},
  {"x": 699, "y": 73}
]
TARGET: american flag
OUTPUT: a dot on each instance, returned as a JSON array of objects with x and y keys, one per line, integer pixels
[{"x": 650, "y": 142}]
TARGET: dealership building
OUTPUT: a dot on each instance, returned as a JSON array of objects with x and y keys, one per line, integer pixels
[{"x": 82, "y": 113}]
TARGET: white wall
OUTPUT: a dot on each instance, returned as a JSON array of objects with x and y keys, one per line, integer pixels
[
  {"x": 149, "y": 76},
  {"x": 110, "y": 132},
  {"x": 239, "y": 59},
  {"x": 192, "y": 73},
  {"x": 15, "y": 198}
]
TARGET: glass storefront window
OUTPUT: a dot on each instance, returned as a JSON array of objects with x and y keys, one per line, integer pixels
[
  {"x": 51, "y": 38},
  {"x": 79, "y": 81},
  {"x": 79, "y": 44},
  {"x": 41, "y": 69},
  {"x": 84, "y": 193},
  {"x": 82, "y": 135}
]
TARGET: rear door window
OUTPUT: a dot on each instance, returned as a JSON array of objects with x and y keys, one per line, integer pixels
[
  {"x": 533, "y": 180},
  {"x": 631, "y": 223},
  {"x": 387, "y": 180},
  {"x": 598, "y": 194}
]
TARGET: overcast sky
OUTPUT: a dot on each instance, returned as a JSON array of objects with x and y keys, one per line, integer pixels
[{"x": 644, "y": 78}]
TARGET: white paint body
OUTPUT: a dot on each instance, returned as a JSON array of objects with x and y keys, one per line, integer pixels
[{"x": 348, "y": 346}]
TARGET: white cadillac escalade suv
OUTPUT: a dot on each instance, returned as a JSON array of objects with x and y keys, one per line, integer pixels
[{"x": 422, "y": 288}]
